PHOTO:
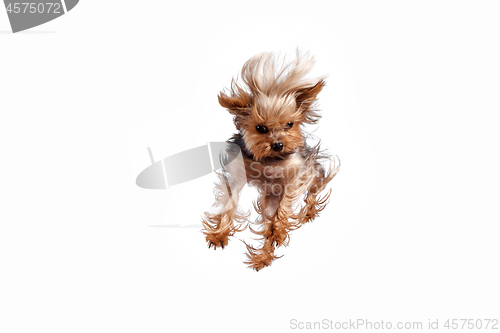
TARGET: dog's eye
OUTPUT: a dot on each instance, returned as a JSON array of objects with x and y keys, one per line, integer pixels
[
  {"x": 261, "y": 129},
  {"x": 289, "y": 125}
]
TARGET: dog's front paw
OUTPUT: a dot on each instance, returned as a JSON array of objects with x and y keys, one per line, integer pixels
[
  {"x": 260, "y": 261},
  {"x": 217, "y": 240},
  {"x": 260, "y": 258}
]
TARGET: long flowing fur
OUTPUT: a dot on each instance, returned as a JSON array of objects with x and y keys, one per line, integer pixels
[{"x": 270, "y": 103}]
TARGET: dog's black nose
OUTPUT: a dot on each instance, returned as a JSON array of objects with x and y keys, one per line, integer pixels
[{"x": 278, "y": 146}]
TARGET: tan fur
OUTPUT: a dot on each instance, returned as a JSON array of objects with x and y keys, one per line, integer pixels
[{"x": 274, "y": 97}]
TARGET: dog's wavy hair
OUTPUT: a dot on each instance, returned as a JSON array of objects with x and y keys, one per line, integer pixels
[{"x": 265, "y": 81}]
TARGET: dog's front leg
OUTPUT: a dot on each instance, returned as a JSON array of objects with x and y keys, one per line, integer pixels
[
  {"x": 275, "y": 210},
  {"x": 259, "y": 258},
  {"x": 219, "y": 226}
]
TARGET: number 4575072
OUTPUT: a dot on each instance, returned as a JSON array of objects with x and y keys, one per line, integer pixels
[{"x": 26, "y": 7}]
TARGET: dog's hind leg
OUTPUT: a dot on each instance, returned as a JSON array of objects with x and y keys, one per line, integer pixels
[{"x": 314, "y": 203}]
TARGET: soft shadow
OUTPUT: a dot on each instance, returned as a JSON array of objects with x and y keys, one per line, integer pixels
[
  {"x": 29, "y": 32},
  {"x": 176, "y": 226}
]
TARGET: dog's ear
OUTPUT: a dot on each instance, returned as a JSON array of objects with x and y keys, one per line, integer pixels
[
  {"x": 305, "y": 97},
  {"x": 236, "y": 105}
]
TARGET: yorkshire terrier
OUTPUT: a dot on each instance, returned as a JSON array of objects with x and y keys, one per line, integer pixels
[{"x": 270, "y": 108}]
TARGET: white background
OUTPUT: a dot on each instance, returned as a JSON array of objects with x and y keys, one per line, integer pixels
[{"x": 411, "y": 107}]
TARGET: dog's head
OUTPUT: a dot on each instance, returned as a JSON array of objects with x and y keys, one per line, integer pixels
[{"x": 273, "y": 104}]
